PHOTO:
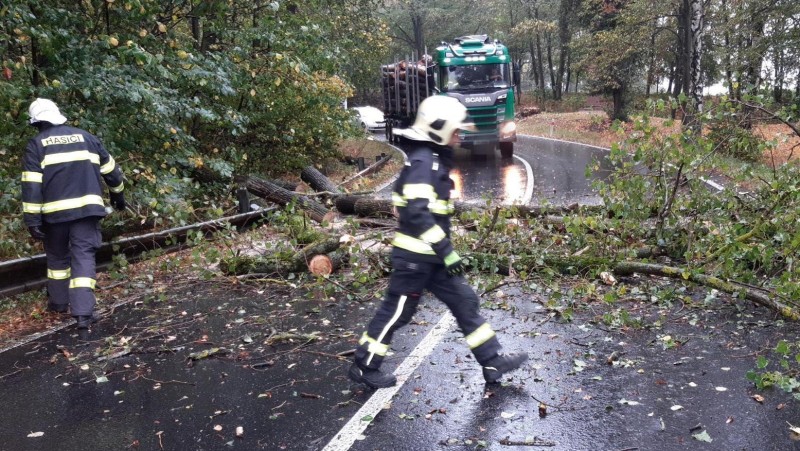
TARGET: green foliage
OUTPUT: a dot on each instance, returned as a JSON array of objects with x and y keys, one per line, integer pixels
[
  {"x": 731, "y": 132},
  {"x": 175, "y": 89},
  {"x": 783, "y": 373},
  {"x": 621, "y": 318},
  {"x": 657, "y": 197}
]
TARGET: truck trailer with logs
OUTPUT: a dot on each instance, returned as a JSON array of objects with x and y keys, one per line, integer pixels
[{"x": 473, "y": 69}]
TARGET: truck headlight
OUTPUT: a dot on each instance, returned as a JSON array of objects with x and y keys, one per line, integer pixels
[{"x": 508, "y": 130}]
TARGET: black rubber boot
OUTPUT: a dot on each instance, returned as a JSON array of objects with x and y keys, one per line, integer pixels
[
  {"x": 501, "y": 364},
  {"x": 85, "y": 321},
  {"x": 371, "y": 378},
  {"x": 57, "y": 308}
]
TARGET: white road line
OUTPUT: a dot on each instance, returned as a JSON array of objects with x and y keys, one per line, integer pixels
[
  {"x": 526, "y": 198},
  {"x": 707, "y": 181},
  {"x": 563, "y": 141},
  {"x": 355, "y": 426}
]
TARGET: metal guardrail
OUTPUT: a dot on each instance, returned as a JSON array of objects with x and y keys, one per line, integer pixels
[{"x": 30, "y": 273}]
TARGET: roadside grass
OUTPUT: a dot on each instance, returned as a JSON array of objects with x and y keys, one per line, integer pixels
[{"x": 342, "y": 171}]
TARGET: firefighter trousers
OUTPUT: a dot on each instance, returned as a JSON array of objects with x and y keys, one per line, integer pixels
[
  {"x": 70, "y": 247},
  {"x": 410, "y": 277}
]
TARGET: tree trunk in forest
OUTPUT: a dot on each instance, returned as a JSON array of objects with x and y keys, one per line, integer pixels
[
  {"x": 618, "y": 97},
  {"x": 652, "y": 57},
  {"x": 317, "y": 180},
  {"x": 195, "y": 21},
  {"x": 779, "y": 66},
  {"x": 534, "y": 65},
  {"x": 540, "y": 62},
  {"x": 418, "y": 25},
  {"x": 281, "y": 196},
  {"x": 551, "y": 69},
  {"x": 693, "y": 46},
  {"x": 564, "y": 11}
]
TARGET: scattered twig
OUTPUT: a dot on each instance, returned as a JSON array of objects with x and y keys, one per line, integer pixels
[
  {"x": 536, "y": 441},
  {"x": 167, "y": 382},
  {"x": 14, "y": 372},
  {"x": 290, "y": 383},
  {"x": 325, "y": 354}
]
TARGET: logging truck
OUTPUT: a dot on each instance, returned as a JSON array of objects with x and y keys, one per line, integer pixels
[{"x": 473, "y": 69}]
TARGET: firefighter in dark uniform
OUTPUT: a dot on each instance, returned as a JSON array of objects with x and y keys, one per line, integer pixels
[
  {"x": 62, "y": 203},
  {"x": 422, "y": 254}
]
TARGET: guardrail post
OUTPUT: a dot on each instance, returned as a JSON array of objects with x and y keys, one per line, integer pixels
[{"x": 244, "y": 200}]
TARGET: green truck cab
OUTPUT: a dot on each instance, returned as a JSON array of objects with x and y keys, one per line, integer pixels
[{"x": 473, "y": 69}]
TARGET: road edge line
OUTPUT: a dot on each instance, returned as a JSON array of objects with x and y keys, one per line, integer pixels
[{"x": 348, "y": 434}]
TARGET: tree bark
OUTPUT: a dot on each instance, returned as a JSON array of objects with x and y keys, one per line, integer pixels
[
  {"x": 693, "y": 86},
  {"x": 267, "y": 265},
  {"x": 317, "y": 180},
  {"x": 370, "y": 207},
  {"x": 272, "y": 192}
]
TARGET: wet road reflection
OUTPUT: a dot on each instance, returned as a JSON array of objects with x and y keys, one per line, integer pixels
[
  {"x": 478, "y": 178},
  {"x": 553, "y": 172},
  {"x": 559, "y": 168}
]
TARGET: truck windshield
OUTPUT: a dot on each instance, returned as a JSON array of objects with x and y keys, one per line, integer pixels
[{"x": 475, "y": 76}]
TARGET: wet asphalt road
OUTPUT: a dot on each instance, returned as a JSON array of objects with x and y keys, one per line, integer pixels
[
  {"x": 184, "y": 374},
  {"x": 542, "y": 172}
]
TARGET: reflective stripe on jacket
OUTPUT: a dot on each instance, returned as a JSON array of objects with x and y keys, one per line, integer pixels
[
  {"x": 62, "y": 168},
  {"x": 421, "y": 195}
]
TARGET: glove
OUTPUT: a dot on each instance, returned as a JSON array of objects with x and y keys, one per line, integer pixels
[
  {"x": 118, "y": 201},
  {"x": 453, "y": 264},
  {"x": 452, "y": 261},
  {"x": 36, "y": 233}
]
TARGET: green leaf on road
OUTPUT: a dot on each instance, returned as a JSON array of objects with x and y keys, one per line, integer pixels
[{"x": 702, "y": 436}]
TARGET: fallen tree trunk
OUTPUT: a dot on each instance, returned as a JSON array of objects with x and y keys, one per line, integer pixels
[
  {"x": 274, "y": 193},
  {"x": 579, "y": 264},
  {"x": 317, "y": 180},
  {"x": 379, "y": 207},
  {"x": 299, "y": 262},
  {"x": 737, "y": 289}
]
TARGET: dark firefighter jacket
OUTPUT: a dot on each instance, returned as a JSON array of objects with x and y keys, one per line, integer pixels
[
  {"x": 61, "y": 175},
  {"x": 421, "y": 195}
]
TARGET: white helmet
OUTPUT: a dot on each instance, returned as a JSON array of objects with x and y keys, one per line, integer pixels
[
  {"x": 45, "y": 110},
  {"x": 438, "y": 118}
]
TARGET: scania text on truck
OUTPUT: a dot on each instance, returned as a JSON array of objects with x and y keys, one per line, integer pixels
[{"x": 473, "y": 69}]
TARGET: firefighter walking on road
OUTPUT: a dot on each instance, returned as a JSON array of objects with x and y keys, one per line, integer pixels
[
  {"x": 62, "y": 203},
  {"x": 422, "y": 254}
]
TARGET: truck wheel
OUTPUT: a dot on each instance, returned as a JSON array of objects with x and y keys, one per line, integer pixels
[{"x": 506, "y": 149}]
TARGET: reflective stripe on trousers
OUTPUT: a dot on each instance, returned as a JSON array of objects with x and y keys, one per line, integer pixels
[
  {"x": 70, "y": 247},
  {"x": 406, "y": 284}
]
